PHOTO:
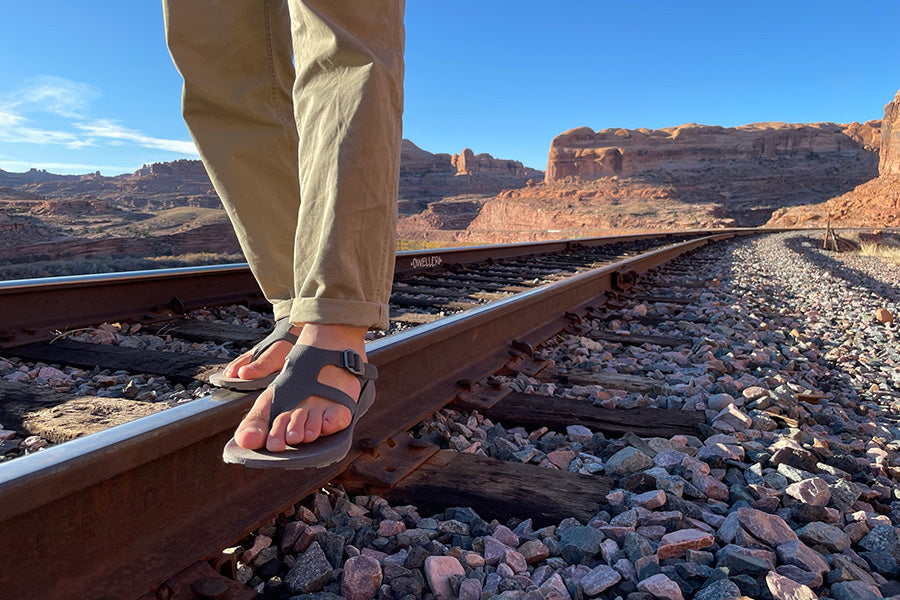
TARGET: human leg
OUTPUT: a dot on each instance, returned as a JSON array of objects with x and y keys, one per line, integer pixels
[
  {"x": 235, "y": 56},
  {"x": 348, "y": 108}
]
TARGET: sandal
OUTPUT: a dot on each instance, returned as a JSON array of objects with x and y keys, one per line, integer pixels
[
  {"x": 282, "y": 332},
  {"x": 299, "y": 379}
]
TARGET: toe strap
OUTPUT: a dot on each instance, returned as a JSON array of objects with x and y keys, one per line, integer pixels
[
  {"x": 282, "y": 331},
  {"x": 299, "y": 378}
]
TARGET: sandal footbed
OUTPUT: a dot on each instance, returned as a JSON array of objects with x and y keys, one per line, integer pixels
[
  {"x": 298, "y": 381},
  {"x": 321, "y": 452}
]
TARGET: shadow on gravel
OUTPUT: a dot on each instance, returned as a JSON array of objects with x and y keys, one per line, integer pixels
[{"x": 806, "y": 247}]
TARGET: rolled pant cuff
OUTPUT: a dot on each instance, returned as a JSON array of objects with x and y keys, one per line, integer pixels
[
  {"x": 282, "y": 308},
  {"x": 332, "y": 311}
]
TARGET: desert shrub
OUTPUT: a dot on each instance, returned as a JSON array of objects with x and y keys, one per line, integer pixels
[
  {"x": 109, "y": 264},
  {"x": 880, "y": 250}
]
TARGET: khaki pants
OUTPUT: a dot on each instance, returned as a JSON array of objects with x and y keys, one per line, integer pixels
[{"x": 305, "y": 154}]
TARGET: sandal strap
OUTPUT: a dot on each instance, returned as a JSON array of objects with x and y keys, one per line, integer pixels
[
  {"x": 299, "y": 378},
  {"x": 281, "y": 332}
]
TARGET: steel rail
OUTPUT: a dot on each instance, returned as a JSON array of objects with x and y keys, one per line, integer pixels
[
  {"x": 117, "y": 513},
  {"x": 31, "y": 308}
]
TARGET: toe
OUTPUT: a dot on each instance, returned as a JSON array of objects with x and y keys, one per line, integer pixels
[
  {"x": 269, "y": 362},
  {"x": 231, "y": 370},
  {"x": 313, "y": 425},
  {"x": 277, "y": 434},
  {"x": 296, "y": 430},
  {"x": 335, "y": 418},
  {"x": 253, "y": 430}
]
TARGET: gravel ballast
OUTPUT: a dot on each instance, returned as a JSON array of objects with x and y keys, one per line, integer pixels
[{"x": 791, "y": 491}]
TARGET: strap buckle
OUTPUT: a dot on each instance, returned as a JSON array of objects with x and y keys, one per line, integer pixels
[{"x": 353, "y": 362}]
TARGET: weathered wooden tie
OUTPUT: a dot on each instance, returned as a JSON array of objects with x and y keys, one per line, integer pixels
[
  {"x": 177, "y": 366},
  {"x": 639, "y": 339},
  {"x": 534, "y": 411},
  {"x": 613, "y": 381},
  {"x": 498, "y": 489},
  {"x": 60, "y": 416},
  {"x": 192, "y": 330}
]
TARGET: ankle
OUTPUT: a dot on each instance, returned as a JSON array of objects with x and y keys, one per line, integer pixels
[{"x": 334, "y": 337}]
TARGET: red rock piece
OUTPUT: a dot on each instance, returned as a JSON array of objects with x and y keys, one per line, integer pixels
[
  {"x": 771, "y": 529},
  {"x": 812, "y": 491},
  {"x": 515, "y": 561},
  {"x": 661, "y": 587},
  {"x": 678, "y": 542},
  {"x": 783, "y": 588},
  {"x": 388, "y": 528},
  {"x": 259, "y": 544},
  {"x": 884, "y": 315},
  {"x": 307, "y": 536},
  {"x": 712, "y": 487},
  {"x": 650, "y": 500},
  {"x": 361, "y": 579},
  {"x": 505, "y": 535},
  {"x": 493, "y": 550},
  {"x": 438, "y": 571},
  {"x": 561, "y": 458},
  {"x": 534, "y": 551}
]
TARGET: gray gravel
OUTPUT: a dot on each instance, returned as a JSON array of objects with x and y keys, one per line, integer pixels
[{"x": 793, "y": 493}]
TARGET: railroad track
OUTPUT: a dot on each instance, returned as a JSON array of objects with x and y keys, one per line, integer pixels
[{"x": 101, "y": 516}]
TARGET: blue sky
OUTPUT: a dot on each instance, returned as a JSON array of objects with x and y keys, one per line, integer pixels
[{"x": 89, "y": 85}]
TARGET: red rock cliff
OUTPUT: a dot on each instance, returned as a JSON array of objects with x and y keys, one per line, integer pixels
[
  {"x": 889, "y": 163},
  {"x": 582, "y": 154},
  {"x": 874, "y": 203}
]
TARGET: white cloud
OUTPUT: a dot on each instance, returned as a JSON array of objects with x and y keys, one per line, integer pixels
[
  {"x": 13, "y": 129},
  {"x": 105, "y": 128},
  {"x": 70, "y": 101},
  {"x": 54, "y": 95}
]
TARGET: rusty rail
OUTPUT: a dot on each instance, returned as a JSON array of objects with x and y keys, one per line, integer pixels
[
  {"x": 30, "y": 309},
  {"x": 117, "y": 513}
]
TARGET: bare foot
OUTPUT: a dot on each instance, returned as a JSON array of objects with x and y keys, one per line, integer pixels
[
  {"x": 314, "y": 416},
  {"x": 270, "y": 361}
]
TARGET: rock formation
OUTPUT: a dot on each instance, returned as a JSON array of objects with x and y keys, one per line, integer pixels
[
  {"x": 582, "y": 154},
  {"x": 606, "y": 206},
  {"x": 78, "y": 216},
  {"x": 426, "y": 177},
  {"x": 689, "y": 176},
  {"x": 440, "y": 194},
  {"x": 889, "y": 164},
  {"x": 874, "y": 203}
]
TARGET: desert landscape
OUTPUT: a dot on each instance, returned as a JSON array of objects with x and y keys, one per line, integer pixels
[{"x": 595, "y": 183}]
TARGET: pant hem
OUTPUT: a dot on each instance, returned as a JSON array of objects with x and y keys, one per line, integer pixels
[{"x": 332, "y": 311}]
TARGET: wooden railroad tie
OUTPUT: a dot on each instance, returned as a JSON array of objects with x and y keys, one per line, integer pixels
[
  {"x": 534, "y": 410},
  {"x": 611, "y": 381},
  {"x": 177, "y": 366},
  {"x": 639, "y": 339},
  {"x": 495, "y": 489},
  {"x": 193, "y": 330},
  {"x": 60, "y": 416}
]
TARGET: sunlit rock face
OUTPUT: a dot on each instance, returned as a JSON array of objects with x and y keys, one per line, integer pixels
[{"x": 582, "y": 154}]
